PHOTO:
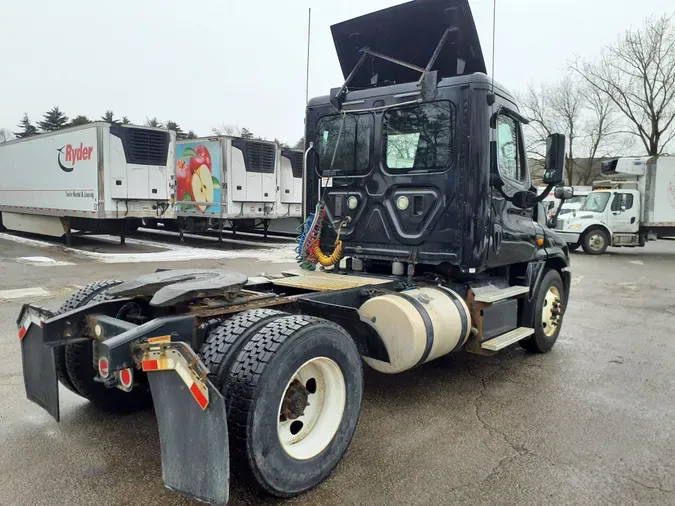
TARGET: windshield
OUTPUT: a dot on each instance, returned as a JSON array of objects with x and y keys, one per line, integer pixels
[
  {"x": 345, "y": 143},
  {"x": 419, "y": 138},
  {"x": 596, "y": 202},
  {"x": 576, "y": 200}
]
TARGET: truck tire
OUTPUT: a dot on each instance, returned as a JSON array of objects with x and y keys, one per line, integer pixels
[
  {"x": 223, "y": 343},
  {"x": 78, "y": 360},
  {"x": 80, "y": 298},
  {"x": 294, "y": 401},
  {"x": 595, "y": 241},
  {"x": 549, "y": 310}
]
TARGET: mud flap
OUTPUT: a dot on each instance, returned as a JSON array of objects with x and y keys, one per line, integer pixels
[
  {"x": 39, "y": 371},
  {"x": 195, "y": 451}
]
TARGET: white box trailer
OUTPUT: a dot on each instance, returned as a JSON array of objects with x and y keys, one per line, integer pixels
[
  {"x": 242, "y": 183},
  {"x": 97, "y": 177},
  {"x": 636, "y": 204}
]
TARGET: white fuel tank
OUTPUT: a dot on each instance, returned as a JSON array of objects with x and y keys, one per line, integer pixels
[{"x": 417, "y": 326}]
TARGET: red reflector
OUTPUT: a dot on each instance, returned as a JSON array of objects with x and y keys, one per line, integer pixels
[
  {"x": 103, "y": 367},
  {"x": 199, "y": 396},
  {"x": 150, "y": 365},
  {"x": 22, "y": 332},
  {"x": 126, "y": 377}
]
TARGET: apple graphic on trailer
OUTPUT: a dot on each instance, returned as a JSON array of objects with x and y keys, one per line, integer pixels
[
  {"x": 183, "y": 179},
  {"x": 202, "y": 187}
]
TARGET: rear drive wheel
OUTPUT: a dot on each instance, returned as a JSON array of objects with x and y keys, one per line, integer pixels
[
  {"x": 595, "y": 241},
  {"x": 548, "y": 314},
  {"x": 294, "y": 401},
  {"x": 79, "y": 360},
  {"x": 80, "y": 298},
  {"x": 224, "y": 343}
]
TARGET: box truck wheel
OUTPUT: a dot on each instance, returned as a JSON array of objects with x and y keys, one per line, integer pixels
[
  {"x": 595, "y": 241},
  {"x": 80, "y": 298},
  {"x": 294, "y": 400},
  {"x": 548, "y": 313},
  {"x": 223, "y": 343},
  {"x": 77, "y": 362}
]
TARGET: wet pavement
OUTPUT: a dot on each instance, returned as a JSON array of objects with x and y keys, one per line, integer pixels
[{"x": 591, "y": 422}]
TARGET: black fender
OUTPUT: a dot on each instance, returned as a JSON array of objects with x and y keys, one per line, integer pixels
[{"x": 554, "y": 257}]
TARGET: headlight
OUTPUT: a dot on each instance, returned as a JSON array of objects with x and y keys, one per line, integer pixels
[{"x": 575, "y": 226}]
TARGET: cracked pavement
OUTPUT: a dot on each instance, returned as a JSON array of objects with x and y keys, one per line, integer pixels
[{"x": 591, "y": 422}]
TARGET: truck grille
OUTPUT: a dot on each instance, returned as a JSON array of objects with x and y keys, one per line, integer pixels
[
  {"x": 296, "y": 158},
  {"x": 143, "y": 147}
]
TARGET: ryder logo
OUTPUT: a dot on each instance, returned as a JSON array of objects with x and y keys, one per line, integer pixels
[{"x": 69, "y": 155}]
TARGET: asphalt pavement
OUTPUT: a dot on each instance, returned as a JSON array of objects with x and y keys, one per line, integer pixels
[{"x": 591, "y": 422}]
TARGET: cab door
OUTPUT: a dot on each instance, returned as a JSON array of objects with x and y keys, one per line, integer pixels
[
  {"x": 513, "y": 232},
  {"x": 624, "y": 213}
]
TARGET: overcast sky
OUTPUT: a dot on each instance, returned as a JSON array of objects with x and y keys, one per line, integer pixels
[{"x": 201, "y": 63}]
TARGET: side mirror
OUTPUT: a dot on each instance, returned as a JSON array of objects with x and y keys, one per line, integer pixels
[
  {"x": 554, "y": 169},
  {"x": 524, "y": 199},
  {"x": 563, "y": 192}
]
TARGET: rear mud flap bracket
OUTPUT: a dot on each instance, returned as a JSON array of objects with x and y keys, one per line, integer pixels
[{"x": 193, "y": 440}]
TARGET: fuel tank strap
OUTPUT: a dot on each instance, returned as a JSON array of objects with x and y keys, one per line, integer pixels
[
  {"x": 427, "y": 325},
  {"x": 464, "y": 318}
]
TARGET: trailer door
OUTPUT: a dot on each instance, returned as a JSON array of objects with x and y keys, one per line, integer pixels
[{"x": 238, "y": 171}]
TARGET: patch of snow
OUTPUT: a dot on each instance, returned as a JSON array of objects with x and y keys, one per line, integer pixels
[
  {"x": 43, "y": 261},
  {"x": 21, "y": 293}
]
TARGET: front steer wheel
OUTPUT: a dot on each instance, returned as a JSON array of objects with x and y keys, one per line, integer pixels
[
  {"x": 548, "y": 313},
  {"x": 595, "y": 241},
  {"x": 294, "y": 400}
]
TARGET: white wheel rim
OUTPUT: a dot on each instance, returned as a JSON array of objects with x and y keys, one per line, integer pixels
[
  {"x": 308, "y": 434},
  {"x": 596, "y": 242},
  {"x": 551, "y": 311}
]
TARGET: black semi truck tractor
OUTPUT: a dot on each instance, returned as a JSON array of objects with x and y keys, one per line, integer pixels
[{"x": 423, "y": 236}]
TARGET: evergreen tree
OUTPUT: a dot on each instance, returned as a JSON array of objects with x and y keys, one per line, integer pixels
[
  {"x": 191, "y": 135},
  {"x": 246, "y": 133},
  {"x": 172, "y": 125},
  {"x": 125, "y": 120},
  {"x": 80, "y": 120},
  {"x": 153, "y": 122},
  {"x": 27, "y": 128},
  {"x": 108, "y": 117},
  {"x": 300, "y": 144},
  {"x": 53, "y": 120}
]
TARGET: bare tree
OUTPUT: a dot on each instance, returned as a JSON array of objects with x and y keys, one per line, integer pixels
[
  {"x": 637, "y": 73},
  {"x": 5, "y": 135},
  {"x": 226, "y": 129},
  {"x": 553, "y": 108}
]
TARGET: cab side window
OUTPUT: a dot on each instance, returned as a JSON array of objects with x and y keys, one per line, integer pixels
[
  {"x": 508, "y": 149},
  {"x": 622, "y": 201}
]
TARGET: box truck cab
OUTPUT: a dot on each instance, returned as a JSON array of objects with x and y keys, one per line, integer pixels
[{"x": 637, "y": 204}]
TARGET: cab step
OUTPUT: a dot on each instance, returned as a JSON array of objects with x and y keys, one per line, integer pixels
[
  {"x": 501, "y": 342},
  {"x": 492, "y": 296}
]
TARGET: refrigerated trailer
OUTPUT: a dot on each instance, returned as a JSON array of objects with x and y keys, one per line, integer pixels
[
  {"x": 236, "y": 183},
  {"x": 97, "y": 177}
]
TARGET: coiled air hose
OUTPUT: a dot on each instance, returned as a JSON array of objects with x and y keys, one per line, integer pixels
[{"x": 309, "y": 249}]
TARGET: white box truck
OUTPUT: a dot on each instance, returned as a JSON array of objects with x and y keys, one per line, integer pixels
[
  {"x": 636, "y": 204},
  {"x": 242, "y": 183},
  {"x": 98, "y": 177}
]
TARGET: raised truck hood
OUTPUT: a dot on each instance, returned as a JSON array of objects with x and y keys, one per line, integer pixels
[{"x": 410, "y": 32}]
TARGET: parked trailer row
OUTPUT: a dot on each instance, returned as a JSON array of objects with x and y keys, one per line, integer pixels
[{"x": 112, "y": 178}]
